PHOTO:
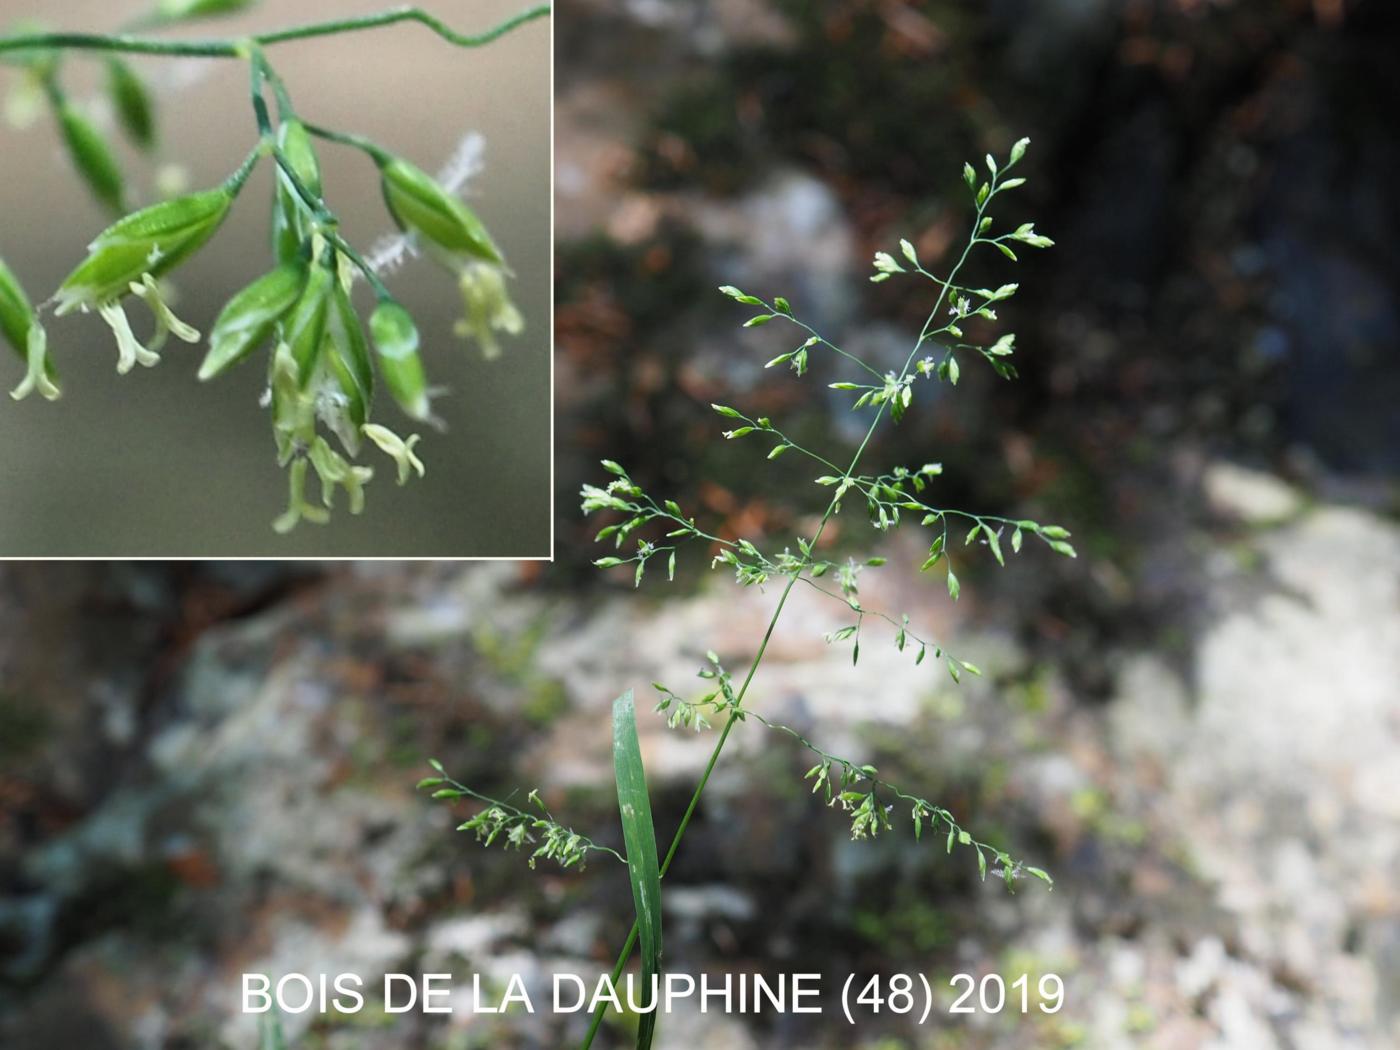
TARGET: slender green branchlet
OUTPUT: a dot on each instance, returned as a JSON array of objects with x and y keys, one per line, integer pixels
[
  {"x": 516, "y": 827},
  {"x": 135, "y": 45}
]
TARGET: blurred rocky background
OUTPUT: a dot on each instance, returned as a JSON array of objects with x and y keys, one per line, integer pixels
[
  {"x": 1195, "y": 725},
  {"x": 157, "y": 464}
]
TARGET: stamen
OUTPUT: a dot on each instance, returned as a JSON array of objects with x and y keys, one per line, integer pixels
[
  {"x": 37, "y": 377},
  {"x": 166, "y": 321},
  {"x": 396, "y": 448},
  {"x": 130, "y": 352}
]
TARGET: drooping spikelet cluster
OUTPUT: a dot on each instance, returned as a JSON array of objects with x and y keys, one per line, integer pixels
[{"x": 322, "y": 365}]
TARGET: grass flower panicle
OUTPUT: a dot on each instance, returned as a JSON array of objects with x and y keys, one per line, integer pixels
[
  {"x": 147, "y": 243},
  {"x": 453, "y": 235},
  {"x": 645, "y": 530},
  {"x": 395, "y": 338},
  {"x": 251, "y": 317},
  {"x": 92, "y": 155}
]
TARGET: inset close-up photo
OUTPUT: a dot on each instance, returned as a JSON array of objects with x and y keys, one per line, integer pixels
[
  {"x": 275, "y": 279},
  {"x": 974, "y": 618}
]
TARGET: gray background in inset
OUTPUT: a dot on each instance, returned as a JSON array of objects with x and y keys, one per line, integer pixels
[{"x": 156, "y": 463}]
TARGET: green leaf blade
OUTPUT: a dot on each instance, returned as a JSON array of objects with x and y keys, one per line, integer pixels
[{"x": 634, "y": 805}]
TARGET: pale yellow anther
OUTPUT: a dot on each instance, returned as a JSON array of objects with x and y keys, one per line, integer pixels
[
  {"x": 37, "y": 377},
  {"x": 396, "y": 448},
  {"x": 130, "y": 352},
  {"x": 166, "y": 321}
]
